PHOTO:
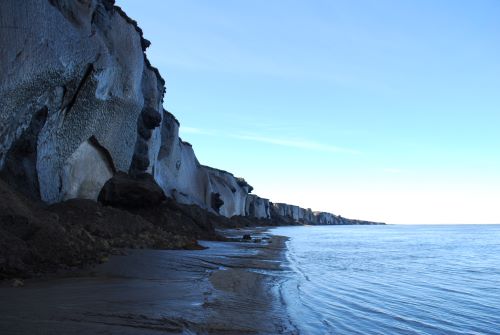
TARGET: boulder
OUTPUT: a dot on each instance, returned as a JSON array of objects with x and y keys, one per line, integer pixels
[{"x": 124, "y": 191}]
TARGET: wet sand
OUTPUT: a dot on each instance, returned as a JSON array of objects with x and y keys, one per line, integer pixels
[{"x": 229, "y": 288}]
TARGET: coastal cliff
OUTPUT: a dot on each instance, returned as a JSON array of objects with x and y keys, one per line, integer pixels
[
  {"x": 78, "y": 94},
  {"x": 82, "y": 117}
]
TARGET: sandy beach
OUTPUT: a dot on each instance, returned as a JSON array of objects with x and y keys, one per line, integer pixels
[{"x": 228, "y": 288}]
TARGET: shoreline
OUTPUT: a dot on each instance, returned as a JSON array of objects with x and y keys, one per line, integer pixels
[{"x": 230, "y": 287}]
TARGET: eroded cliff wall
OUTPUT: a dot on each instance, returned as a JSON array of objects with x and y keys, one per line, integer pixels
[
  {"x": 177, "y": 169},
  {"x": 230, "y": 190},
  {"x": 82, "y": 64},
  {"x": 257, "y": 207}
]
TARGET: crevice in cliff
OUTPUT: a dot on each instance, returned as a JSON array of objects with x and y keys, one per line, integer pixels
[
  {"x": 148, "y": 120},
  {"x": 93, "y": 140},
  {"x": 69, "y": 99},
  {"x": 216, "y": 202},
  {"x": 20, "y": 164}
]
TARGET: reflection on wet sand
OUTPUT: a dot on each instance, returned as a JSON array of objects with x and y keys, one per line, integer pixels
[{"x": 228, "y": 288}]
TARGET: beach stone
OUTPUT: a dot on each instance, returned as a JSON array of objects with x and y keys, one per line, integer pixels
[{"x": 17, "y": 283}]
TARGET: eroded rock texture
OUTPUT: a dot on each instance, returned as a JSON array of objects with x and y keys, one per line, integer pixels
[
  {"x": 257, "y": 207},
  {"x": 82, "y": 64}
]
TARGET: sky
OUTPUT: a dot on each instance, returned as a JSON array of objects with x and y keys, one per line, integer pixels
[{"x": 383, "y": 110}]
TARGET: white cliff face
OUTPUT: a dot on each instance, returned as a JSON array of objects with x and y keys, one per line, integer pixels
[
  {"x": 177, "y": 169},
  {"x": 309, "y": 216},
  {"x": 83, "y": 62},
  {"x": 257, "y": 207},
  {"x": 183, "y": 178},
  {"x": 85, "y": 172},
  {"x": 232, "y": 192},
  {"x": 286, "y": 211},
  {"x": 295, "y": 213},
  {"x": 326, "y": 218},
  {"x": 279, "y": 209}
]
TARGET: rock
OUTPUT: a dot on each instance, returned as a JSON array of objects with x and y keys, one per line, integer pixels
[
  {"x": 257, "y": 207},
  {"x": 124, "y": 191},
  {"x": 20, "y": 164},
  {"x": 84, "y": 75},
  {"x": 231, "y": 191},
  {"x": 182, "y": 177},
  {"x": 150, "y": 118},
  {"x": 216, "y": 202},
  {"x": 17, "y": 283},
  {"x": 247, "y": 237}
]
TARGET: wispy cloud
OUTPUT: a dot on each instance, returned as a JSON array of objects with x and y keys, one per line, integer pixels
[
  {"x": 199, "y": 131},
  {"x": 297, "y": 143}
]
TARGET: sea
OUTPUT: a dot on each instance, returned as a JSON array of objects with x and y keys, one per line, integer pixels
[{"x": 393, "y": 279}]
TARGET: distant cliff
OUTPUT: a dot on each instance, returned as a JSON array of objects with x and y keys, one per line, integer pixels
[{"x": 79, "y": 102}]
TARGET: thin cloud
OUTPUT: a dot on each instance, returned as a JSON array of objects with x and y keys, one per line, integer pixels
[
  {"x": 297, "y": 143},
  {"x": 286, "y": 142},
  {"x": 194, "y": 130}
]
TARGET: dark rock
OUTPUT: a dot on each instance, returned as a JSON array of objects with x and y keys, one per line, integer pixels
[
  {"x": 140, "y": 159},
  {"x": 243, "y": 183},
  {"x": 151, "y": 118},
  {"x": 144, "y": 132},
  {"x": 145, "y": 44},
  {"x": 247, "y": 237},
  {"x": 140, "y": 163},
  {"x": 216, "y": 202},
  {"x": 141, "y": 147},
  {"x": 17, "y": 283},
  {"x": 20, "y": 163},
  {"x": 108, "y": 4},
  {"x": 124, "y": 191}
]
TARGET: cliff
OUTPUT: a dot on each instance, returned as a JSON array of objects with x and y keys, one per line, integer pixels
[
  {"x": 81, "y": 104},
  {"x": 77, "y": 94}
]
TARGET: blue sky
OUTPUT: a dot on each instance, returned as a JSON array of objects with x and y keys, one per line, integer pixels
[{"x": 372, "y": 109}]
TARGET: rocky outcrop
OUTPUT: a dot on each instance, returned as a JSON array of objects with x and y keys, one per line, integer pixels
[
  {"x": 124, "y": 191},
  {"x": 177, "y": 169},
  {"x": 288, "y": 211},
  {"x": 72, "y": 234},
  {"x": 257, "y": 207},
  {"x": 232, "y": 191},
  {"x": 294, "y": 214},
  {"x": 75, "y": 89},
  {"x": 184, "y": 179}
]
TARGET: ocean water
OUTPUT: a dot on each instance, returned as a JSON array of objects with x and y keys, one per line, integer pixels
[{"x": 394, "y": 279}]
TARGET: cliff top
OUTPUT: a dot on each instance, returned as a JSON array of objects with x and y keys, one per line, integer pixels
[{"x": 144, "y": 42}]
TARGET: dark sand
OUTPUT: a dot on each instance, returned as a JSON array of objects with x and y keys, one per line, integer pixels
[{"x": 229, "y": 288}]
